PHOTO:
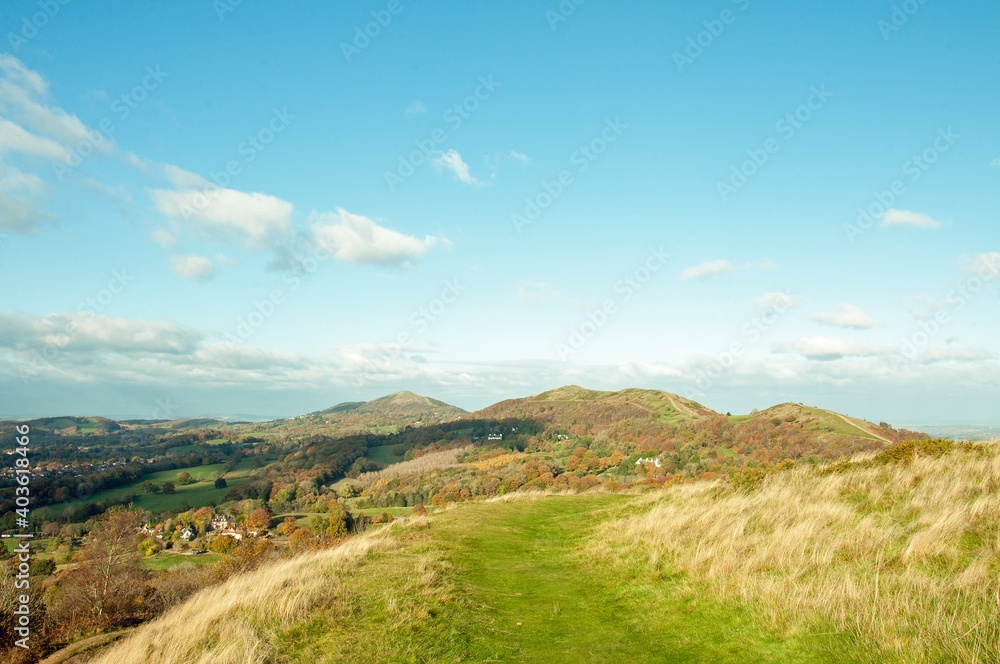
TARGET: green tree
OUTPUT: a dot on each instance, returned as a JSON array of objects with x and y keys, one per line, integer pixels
[
  {"x": 43, "y": 567},
  {"x": 220, "y": 483}
]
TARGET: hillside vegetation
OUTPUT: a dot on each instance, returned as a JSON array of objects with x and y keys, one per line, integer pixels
[{"x": 891, "y": 558}]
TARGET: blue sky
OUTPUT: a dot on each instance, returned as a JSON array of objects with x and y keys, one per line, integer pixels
[{"x": 275, "y": 212}]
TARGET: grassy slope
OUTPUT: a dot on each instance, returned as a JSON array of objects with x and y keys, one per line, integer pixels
[
  {"x": 383, "y": 455},
  {"x": 166, "y": 560},
  {"x": 812, "y": 566},
  {"x": 514, "y": 589},
  {"x": 197, "y": 494}
]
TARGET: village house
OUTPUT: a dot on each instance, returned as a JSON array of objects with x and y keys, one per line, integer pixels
[{"x": 222, "y": 522}]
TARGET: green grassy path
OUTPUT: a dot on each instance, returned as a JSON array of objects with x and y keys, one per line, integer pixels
[
  {"x": 539, "y": 601},
  {"x": 506, "y": 582}
]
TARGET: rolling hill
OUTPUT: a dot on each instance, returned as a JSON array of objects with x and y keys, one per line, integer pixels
[{"x": 880, "y": 560}]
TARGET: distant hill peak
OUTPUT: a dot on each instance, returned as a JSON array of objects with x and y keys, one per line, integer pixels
[{"x": 399, "y": 405}]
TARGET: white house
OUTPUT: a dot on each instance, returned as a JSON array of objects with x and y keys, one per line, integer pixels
[
  {"x": 222, "y": 522},
  {"x": 642, "y": 462},
  {"x": 187, "y": 534}
]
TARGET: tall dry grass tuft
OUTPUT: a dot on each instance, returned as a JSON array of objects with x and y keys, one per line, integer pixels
[
  {"x": 428, "y": 462},
  {"x": 235, "y": 622},
  {"x": 906, "y": 555}
]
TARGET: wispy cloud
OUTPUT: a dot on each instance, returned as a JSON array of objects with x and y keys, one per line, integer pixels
[
  {"x": 416, "y": 107},
  {"x": 984, "y": 265},
  {"x": 21, "y": 200},
  {"x": 894, "y": 217},
  {"x": 777, "y": 300},
  {"x": 835, "y": 348},
  {"x": 223, "y": 213},
  {"x": 707, "y": 269},
  {"x": 196, "y": 268},
  {"x": 357, "y": 239},
  {"x": 519, "y": 157},
  {"x": 847, "y": 316},
  {"x": 164, "y": 238},
  {"x": 537, "y": 291},
  {"x": 452, "y": 161}
]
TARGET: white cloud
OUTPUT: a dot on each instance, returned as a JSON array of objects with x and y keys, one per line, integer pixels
[
  {"x": 956, "y": 355},
  {"x": 777, "y": 300},
  {"x": 197, "y": 268},
  {"x": 985, "y": 265},
  {"x": 848, "y": 316},
  {"x": 537, "y": 291},
  {"x": 87, "y": 332},
  {"x": 768, "y": 264},
  {"x": 995, "y": 163},
  {"x": 452, "y": 161},
  {"x": 520, "y": 156},
  {"x": 20, "y": 92},
  {"x": 707, "y": 269},
  {"x": 356, "y": 239},
  {"x": 894, "y": 217},
  {"x": 164, "y": 238},
  {"x": 835, "y": 348},
  {"x": 17, "y": 72},
  {"x": 223, "y": 213},
  {"x": 21, "y": 200},
  {"x": 13, "y": 137},
  {"x": 416, "y": 107}
]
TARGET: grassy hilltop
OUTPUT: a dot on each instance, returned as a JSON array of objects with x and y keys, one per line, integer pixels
[{"x": 891, "y": 558}]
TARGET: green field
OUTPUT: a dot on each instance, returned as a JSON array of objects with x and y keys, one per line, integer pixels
[
  {"x": 506, "y": 582},
  {"x": 302, "y": 519},
  {"x": 375, "y": 511},
  {"x": 383, "y": 455},
  {"x": 198, "y": 494},
  {"x": 166, "y": 560}
]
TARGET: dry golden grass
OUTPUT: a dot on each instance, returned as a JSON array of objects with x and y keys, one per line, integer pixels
[
  {"x": 905, "y": 555},
  {"x": 500, "y": 461},
  {"x": 236, "y": 622},
  {"x": 426, "y": 463}
]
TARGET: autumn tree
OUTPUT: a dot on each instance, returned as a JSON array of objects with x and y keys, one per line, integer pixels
[
  {"x": 287, "y": 526},
  {"x": 108, "y": 587},
  {"x": 259, "y": 518},
  {"x": 224, "y": 544},
  {"x": 301, "y": 540}
]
